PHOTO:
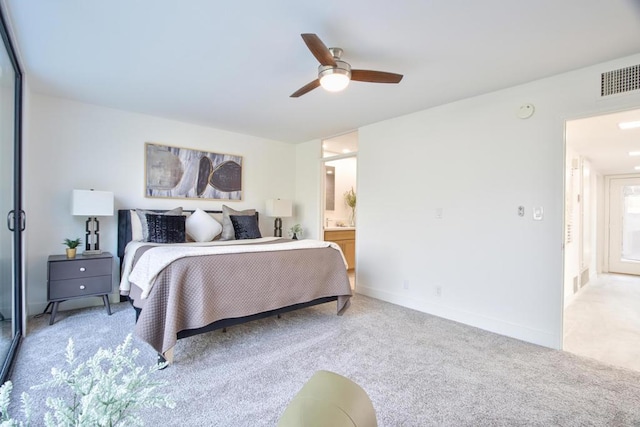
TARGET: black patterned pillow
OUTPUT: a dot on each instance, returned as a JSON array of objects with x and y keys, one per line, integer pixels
[
  {"x": 245, "y": 227},
  {"x": 139, "y": 229},
  {"x": 166, "y": 228}
]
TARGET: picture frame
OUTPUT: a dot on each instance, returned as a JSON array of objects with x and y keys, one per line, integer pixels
[{"x": 184, "y": 173}]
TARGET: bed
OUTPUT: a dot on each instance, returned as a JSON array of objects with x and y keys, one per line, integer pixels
[{"x": 186, "y": 289}]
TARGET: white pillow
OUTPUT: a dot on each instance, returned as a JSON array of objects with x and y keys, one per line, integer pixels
[
  {"x": 136, "y": 227},
  {"x": 201, "y": 227}
]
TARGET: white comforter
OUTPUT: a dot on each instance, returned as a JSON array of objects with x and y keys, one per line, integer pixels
[{"x": 153, "y": 261}]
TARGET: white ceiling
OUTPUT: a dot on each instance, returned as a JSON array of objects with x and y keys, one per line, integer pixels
[
  {"x": 233, "y": 65},
  {"x": 341, "y": 144},
  {"x": 604, "y": 144}
]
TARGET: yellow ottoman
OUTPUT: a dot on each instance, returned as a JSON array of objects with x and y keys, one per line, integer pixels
[{"x": 329, "y": 400}]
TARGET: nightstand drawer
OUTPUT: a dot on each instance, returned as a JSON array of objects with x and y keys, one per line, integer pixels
[
  {"x": 75, "y": 288},
  {"x": 79, "y": 268}
]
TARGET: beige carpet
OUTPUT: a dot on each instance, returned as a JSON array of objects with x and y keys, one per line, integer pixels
[{"x": 419, "y": 370}]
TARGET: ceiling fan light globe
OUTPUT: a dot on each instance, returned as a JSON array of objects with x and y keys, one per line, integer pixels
[
  {"x": 334, "y": 82},
  {"x": 334, "y": 78}
]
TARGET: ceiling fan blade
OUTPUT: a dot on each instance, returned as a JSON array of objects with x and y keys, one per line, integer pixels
[
  {"x": 306, "y": 88},
  {"x": 375, "y": 76},
  {"x": 318, "y": 49}
]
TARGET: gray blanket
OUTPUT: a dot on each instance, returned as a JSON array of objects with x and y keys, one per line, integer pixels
[{"x": 193, "y": 292}]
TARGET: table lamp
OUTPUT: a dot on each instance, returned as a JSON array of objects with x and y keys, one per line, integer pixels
[
  {"x": 92, "y": 204},
  {"x": 280, "y": 209}
]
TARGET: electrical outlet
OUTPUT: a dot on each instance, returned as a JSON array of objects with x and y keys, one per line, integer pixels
[
  {"x": 405, "y": 284},
  {"x": 438, "y": 291}
]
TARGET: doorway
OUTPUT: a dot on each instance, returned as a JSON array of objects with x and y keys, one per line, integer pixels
[
  {"x": 602, "y": 239},
  {"x": 340, "y": 164},
  {"x": 624, "y": 225}
]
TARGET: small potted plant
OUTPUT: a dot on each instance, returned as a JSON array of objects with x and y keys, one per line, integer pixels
[
  {"x": 296, "y": 232},
  {"x": 350, "y": 200},
  {"x": 72, "y": 246}
]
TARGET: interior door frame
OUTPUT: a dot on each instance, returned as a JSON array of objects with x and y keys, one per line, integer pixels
[
  {"x": 607, "y": 202},
  {"x": 602, "y": 240},
  {"x": 323, "y": 163}
]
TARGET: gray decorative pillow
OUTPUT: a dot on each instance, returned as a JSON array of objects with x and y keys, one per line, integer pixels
[
  {"x": 142, "y": 214},
  {"x": 228, "y": 232}
]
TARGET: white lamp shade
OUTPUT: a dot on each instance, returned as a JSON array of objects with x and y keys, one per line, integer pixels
[
  {"x": 279, "y": 208},
  {"x": 92, "y": 203}
]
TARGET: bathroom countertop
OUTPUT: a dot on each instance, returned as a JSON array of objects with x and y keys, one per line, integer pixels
[{"x": 338, "y": 228}]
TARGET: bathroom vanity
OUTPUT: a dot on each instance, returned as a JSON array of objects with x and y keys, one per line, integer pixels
[{"x": 345, "y": 237}]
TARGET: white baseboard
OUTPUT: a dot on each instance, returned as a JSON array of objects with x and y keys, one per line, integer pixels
[{"x": 497, "y": 326}]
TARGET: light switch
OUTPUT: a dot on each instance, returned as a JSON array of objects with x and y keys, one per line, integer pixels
[
  {"x": 438, "y": 213},
  {"x": 538, "y": 213}
]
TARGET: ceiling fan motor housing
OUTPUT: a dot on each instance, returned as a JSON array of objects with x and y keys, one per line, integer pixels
[
  {"x": 336, "y": 52},
  {"x": 340, "y": 68}
]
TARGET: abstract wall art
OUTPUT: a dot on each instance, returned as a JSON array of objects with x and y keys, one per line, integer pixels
[{"x": 174, "y": 172}]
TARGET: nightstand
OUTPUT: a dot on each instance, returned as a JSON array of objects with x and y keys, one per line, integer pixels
[{"x": 79, "y": 277}]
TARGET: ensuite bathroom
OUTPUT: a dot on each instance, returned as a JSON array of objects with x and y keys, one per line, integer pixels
[{"x": 340, "y": 189}]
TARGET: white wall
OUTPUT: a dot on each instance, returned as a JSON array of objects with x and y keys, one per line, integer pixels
[
  {"x": 309, "y": 187},
  {"x": 71, "y": 145},
  {"x": 572, "y": 215},
  {"x": 581, "y": 253},
  {"x": 592, "y": 202},
  {"x": 599, "y": 236},
  {"x": 478, "y": 162}
]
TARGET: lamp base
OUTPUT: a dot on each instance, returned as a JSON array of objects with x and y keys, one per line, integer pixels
[
  {"x": 277, "y": 228},
  {"x": 93, "y": 252},
  {"x": 92, "y": 246}
]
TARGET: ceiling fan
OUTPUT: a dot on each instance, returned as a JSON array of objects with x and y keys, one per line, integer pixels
[{"x": 333, "y": 73}]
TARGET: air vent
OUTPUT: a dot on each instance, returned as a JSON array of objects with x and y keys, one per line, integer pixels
[{"x": 620, "y": 81}]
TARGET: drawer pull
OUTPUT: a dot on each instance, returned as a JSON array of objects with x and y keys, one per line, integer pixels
[
  {"x": 83, "y": 269},
  {"x": 82, "y": 287}
]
